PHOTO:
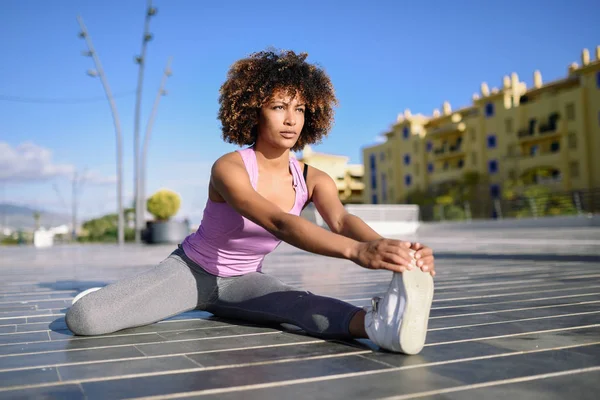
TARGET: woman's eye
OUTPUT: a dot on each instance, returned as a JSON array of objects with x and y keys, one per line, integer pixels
[{"x": 301, "y": 110}]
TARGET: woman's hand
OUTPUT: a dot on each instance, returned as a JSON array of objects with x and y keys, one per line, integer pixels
[
  {"x": 393, "y": 255},
  {"x": 424, "y": 257}
]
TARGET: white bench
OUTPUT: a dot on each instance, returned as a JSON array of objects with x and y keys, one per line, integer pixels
[{"x": 385, "y": 219}]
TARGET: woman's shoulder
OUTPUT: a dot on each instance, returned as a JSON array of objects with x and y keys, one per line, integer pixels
[{"x": 231, "y": 157}]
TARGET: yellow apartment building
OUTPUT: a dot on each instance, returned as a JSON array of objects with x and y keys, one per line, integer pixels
[
  {"x": 348, "y": 177},
  {"x": 547, "y": 134}
]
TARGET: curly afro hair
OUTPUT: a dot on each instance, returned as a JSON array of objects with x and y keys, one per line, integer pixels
[{"x": 252, "y": 81}]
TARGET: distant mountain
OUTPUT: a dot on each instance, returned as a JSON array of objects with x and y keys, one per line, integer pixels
[{"x": 21, "y": 217}]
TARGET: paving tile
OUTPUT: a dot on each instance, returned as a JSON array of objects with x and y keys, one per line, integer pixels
[
  {"x": 8, "y": 329},
  {"x": 178, "y": 326},
  {"x": 415, "y": 380},
  {"x": 99, "y": 341},
  {"x": 436, "y": 323},
  {"x": 126, "y": 367},
  {"x": 12, "y": 321},
  {"x": 272, "y": 353},
  {"x": 24, "y": 337},
  {"x": 27, "y": 377},
  {"x": 39, "y": 326},
  {"x": 511, "y": 306},
  {"x": 66, "y": 357},
  {"x": 511, "y": 328},
  {"x": 173, "y": 383},
  {"x": 218, "y": 344},
  {"x": 580, "y": 386},
  {"x": 63, "y": 392}
]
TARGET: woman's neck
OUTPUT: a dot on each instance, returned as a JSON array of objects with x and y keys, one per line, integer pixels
[{"x": 271, "y": 158}]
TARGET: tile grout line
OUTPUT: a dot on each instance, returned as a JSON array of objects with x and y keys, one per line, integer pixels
[
  {"x": 130, "y": 344},
  {"x": 513, "y": 320},
  {"x": 517, "y": 309},
  {"x": 492, "y": 295},
  {"x": 510, "y": 335}
]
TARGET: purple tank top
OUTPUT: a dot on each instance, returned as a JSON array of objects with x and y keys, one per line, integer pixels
[{"x": 228, "y": 244}]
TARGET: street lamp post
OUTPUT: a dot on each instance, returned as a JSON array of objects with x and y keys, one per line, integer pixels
[
  {"x": 141, "y": 61},
  {"x": 161, "y": 92},
  {"x": 99, "y": 71}
]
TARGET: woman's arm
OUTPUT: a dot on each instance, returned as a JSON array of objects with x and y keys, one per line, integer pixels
[
  {"x": 230, "y": 179},
  {"x": 326, "y": 200}
]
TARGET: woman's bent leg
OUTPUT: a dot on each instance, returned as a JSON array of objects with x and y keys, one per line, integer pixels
[
  {"x": 166, "y": 290},
  {"x": 262, "y": 298}
]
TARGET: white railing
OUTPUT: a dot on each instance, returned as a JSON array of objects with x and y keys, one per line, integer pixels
[{"x": 385, "y": 219}]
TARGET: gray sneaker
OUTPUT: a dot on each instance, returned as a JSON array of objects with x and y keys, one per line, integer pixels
[{"x": 398, "y": 321}]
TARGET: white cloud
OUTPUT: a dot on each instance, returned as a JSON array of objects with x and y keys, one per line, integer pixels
[
  {"x": 94, "y": 178},
  {"x": 29, "y": 162}
]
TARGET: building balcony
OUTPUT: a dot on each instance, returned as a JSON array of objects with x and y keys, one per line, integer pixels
[
  {"x": 451, "y": 174},
  {"x": 539, "y": 129},
  {"x": 446, "y": 154},
  {"x": 447, "y": 129},
  {"x": 526, "y": 162}
]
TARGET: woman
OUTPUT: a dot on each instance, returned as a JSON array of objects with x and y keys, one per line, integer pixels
[{"x": 274, "y": 103}]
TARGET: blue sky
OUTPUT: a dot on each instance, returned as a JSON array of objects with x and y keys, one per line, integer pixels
[{"x": 382, "y": 56}]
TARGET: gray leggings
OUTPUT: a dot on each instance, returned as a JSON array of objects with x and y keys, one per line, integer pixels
[{"x": 177, "y": 285}]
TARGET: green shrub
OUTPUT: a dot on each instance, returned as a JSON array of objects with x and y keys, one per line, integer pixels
[{"x": 163, "y": 204}]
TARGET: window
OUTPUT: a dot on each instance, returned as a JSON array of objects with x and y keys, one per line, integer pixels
[
  {"x": 407, "y": 180},
  {"x": 446, "y": 166},
  {"x": 430, "y": 167},
  {"x": 374, "y": 199},
  {"x": 473, "y": 134},
  {"x": 406, "y": 159},
  {"x": 533, "y": 150},
  {"x": 489, "y": 110},
  {"x": 554, "y": 146},
  {"x": 429, "y": 146},
  {"x": 572, "y": 140},
  {"x": 405, "y": 132},
  {"x": 493, "y": 166},
  {"x": 474, "y": 158},
  {"x": 508, "y": 125},
  {"x": 381, "y": 156},
  {"x": 495, "y": 190},
  {"x": 574, "y": 169},
  {"x": 598, "y": 79},
  {"x": 372, "y": 161},
  {"x": 491, "y": 141},
  {"x": 570, "y": 111},
  {"x": 461, "y": 163}
]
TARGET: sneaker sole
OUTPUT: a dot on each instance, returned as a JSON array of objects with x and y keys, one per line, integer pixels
[
  {"x": 84, "y": 293},
  {"x": 418, "y": 286}
]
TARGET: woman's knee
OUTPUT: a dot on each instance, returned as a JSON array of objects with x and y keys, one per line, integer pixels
[{"x": 84, "y": 319}]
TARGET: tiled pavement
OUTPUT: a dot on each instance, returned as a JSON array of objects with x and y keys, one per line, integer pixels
[{"x": 516, "y": 315}]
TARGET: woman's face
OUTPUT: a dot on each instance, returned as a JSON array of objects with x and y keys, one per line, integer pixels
[{"x": 281, "y": 120}]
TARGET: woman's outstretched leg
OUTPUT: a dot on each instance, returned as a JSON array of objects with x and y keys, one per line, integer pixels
[
  {"x": 166, "y": 290},
  {"x": 262, "y": 298}
]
